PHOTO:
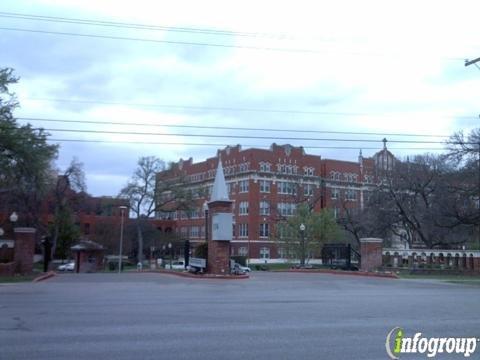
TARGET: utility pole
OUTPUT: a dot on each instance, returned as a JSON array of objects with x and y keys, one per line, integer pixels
[{"x": 468, "y": 63}]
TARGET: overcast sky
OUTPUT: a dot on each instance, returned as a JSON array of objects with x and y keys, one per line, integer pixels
[{"x": 357, "y": 66}]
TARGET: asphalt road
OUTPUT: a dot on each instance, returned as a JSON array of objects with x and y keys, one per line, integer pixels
[{"x": 269, "y": 316}]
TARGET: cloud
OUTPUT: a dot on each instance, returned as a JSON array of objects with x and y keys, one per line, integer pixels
[{"x": 393, "y": 67}]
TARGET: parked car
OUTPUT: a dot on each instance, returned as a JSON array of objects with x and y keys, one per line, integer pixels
[
  {"x": 67, "y": 267},
  {"x": 176, "y": 265},
  {"x": 244, "y": 268},
  {"x": 236, "y": 270},
  {"x": 240, "y": 269}
]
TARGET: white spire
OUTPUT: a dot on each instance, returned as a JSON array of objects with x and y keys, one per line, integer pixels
[{"x": 219, "y": 192}]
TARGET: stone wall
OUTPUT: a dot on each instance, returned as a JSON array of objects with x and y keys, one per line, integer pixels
[{"x": 432, "y": 259}]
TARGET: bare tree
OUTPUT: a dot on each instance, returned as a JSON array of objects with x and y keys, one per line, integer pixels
[
  {"x": 152, "y": 188},
  {"x": 69, "y": 185}
]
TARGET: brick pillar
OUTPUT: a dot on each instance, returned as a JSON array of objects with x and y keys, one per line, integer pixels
[
  {"x": 371, "y": 254},
  {"x": 476, "y": 264},
  {"x": 24, "y": 249},
  {"x": 218, "y": 250}
]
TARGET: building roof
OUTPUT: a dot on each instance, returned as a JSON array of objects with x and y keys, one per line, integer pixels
[{"x": 219, "y": 192}]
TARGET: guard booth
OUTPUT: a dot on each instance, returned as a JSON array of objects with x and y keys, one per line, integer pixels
[
  {"x": 88, "y": 256},
  {"x": 340, "y": 256}
]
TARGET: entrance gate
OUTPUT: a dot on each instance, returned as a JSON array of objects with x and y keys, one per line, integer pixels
[{"x": 340, "y": 256}]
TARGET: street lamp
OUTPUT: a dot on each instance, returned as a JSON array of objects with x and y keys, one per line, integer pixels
[
  {"x": 163, "y": 256},
  {"x": 205, "y": 212},
  {"x": 122, "y": 214},
  {"x": 13, "y": 217},
  {"x": 302, "y": 234},
  {"x": 170, "y": 250}
]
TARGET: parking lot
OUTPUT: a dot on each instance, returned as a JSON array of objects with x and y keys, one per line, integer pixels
[{"x": 270, "y": 315}]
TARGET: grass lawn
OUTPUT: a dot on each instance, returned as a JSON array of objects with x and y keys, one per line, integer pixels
[
  {"x": 456, "y": 279},
  {"x": 17, "y": 278}
]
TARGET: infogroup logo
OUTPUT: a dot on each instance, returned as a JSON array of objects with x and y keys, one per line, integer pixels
[{"x": 397, "y": 343}]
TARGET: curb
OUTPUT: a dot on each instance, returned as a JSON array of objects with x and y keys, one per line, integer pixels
[
  {"x": 205, "y": 276},
  {"x": 46, "y": 276},
  {"x": 335, "y": 272}
]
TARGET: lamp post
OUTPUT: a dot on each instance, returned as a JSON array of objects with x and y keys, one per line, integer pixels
[
  {"x": 205, "y": 212},
  {"x": 13, "y": 217},
  {"x": 170, "y": 250},
  {"x": 163, "y": 256},
  {"x": 302, "y": 234},
  {"x": 120, "y": 252}
]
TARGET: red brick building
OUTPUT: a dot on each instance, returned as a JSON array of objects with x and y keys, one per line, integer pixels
[
  {"x": 267, "y": 185},
  {"x": 97, "y": 218}
]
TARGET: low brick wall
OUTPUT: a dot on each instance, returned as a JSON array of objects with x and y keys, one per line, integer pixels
[{"x": 8, "y": 269}]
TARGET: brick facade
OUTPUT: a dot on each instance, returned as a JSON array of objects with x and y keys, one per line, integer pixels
[
  {"x": 371, "y": 254},
  {"x": 24, "y": 249},
  {"x": 266, "y": 186}
]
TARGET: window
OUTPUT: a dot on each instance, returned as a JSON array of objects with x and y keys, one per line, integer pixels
[
  {"x": 264, "y": 186},
  {"x": 230, "y": 187},
  {"x": 308, "y": 171},
  {"x": 243, "y": 167},
  {"x": 335, "y": 193},
  {"x": 242, "y": 251},
  {"x": 335, "y": 213},
  {"x": 350, "y": 177},
  {"x": 243, "y": 230},
  {"x": 194, "y": 232},
  {"x": 264, "y": 208},
  {"x": 282, "y": 253},
  {"x": 351, "y": 195},
  {"x": 86, "y": 228},
  {"x": 308, "y": 190},
  {"x": 286, "y": 209},
  {"x": 194, "y": 214},
  {"x": 243, "y": 208},
  {"x": 284, "y": 187},
  {"x": 264, "y": 230},
  {"x": 283, "y": 231},
  {"x": 264, "y": 167},
  {"x": 184, "y": 231},
  {"x": 264, "y": 253},
  {"x": 243, "y": 186}
]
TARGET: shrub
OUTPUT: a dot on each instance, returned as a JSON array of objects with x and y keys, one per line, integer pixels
[{"x": 201, "y": 251}]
